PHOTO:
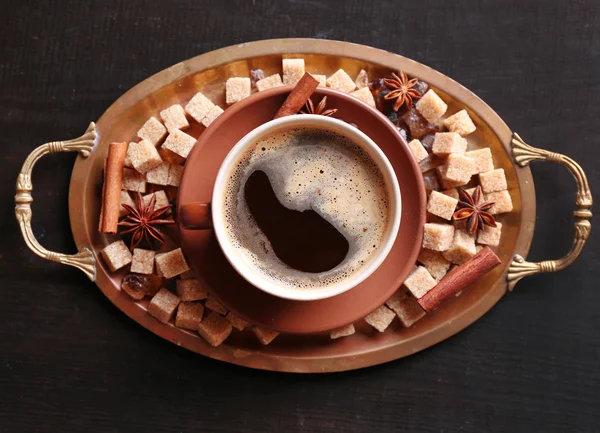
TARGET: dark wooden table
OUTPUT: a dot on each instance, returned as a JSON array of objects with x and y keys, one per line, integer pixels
[{"x": 70, "y": 361}]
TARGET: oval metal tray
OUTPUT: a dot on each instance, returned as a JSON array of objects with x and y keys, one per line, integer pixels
[{"x": 302, "y": 353}]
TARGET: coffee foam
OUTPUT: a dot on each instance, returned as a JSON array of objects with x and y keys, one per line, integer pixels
[{"x": 310, "y": 169}]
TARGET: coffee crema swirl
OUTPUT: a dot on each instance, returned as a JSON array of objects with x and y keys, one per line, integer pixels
[{"x": 310, "y": 169}]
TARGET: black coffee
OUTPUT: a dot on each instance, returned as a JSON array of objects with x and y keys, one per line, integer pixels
[
  {"x": 306, "y": 207},
  {"x": 302, "y": 240}
]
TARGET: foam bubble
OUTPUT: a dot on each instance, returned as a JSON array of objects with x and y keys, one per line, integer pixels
[{"x": 310, "y": 169}]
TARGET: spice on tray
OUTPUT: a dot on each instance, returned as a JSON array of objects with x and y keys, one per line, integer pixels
[
  {"x": 456, "y": 280},
  {"x": 473, "y": 208},
  {"x": 298, "y": 96},
  {"x": 402, "y": 90},
  {"x": 142, "y": 222},
  {"x": 321, "y": 108},
  {"x": 111, "y": 188}
]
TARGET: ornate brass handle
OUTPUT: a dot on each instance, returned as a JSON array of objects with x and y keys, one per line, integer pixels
[
  {"x": 84, "y": 259},
  {"x": 523, "y": 155}
]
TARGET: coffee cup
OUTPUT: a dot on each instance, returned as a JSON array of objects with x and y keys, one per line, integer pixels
[{"x": 263, "y": 269}]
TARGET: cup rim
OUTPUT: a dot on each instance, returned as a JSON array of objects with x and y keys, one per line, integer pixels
[{"x": 270, "y": 286}]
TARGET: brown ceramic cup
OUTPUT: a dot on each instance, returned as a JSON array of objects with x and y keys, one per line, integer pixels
[
  {"x": 203, "y": 215},
  {"x": 216, "y": 274}
]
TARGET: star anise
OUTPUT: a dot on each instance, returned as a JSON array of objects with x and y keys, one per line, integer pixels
[
  {"x": 309, "y": 108},
  {"x": 402, "y": 90},
  {"x": 143, "y": 221},
  {"x": 473, "y": 209}
]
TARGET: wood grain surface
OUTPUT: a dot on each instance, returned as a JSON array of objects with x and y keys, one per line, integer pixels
[{"x": 71, "y": 362}]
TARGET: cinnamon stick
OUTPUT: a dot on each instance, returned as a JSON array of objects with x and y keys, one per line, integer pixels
[
  {"x": 298, "y": 96},
  {"x": 111, "y": 189},
  {"x": 471, "y": 270}
]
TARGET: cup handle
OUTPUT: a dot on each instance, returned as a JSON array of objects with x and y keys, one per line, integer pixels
[
  {"x": 84, "y": 259},
  {"x": 523, "y": 154},
  {"x": 195, "y": 216}
]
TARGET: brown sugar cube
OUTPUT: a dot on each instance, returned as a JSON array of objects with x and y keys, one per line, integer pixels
[
  {"x": 322, "y": 79},
  {"x": 214, "y": 112},
  {"x": 502, "y": 202},
  {"x": 409, "y": 311},
  {"x": 236, "y": 89},
  {"x": 493, "y": 181},
  {"x": 460, "y": 122},
  {"x": 431, "y": 106},
  {"x": 417, "y": 149},
  {"x": 216, "y": 306},
  {"x": 158, "y": 271},
  {"x": 483, "y": 159},
  {"x": 459, "y": 168},
  {"x": 190, "y": 290},
  {"x": 142, "y": 261},
  {"x": 445, "y": 143},
  {"x": 341, "y": 81},
  {"x": 174, "y": 117},
  {"x": 152, "y": 131},
  {"x": 446, "y": 183},
  {"x": 293, "y": 70},
  {"x": 441, "y": 205},
  {"x": 344, "y": 331},
  {"x": 406, "y": 308},
  {"x": 462, "y": 248},
  {"x": 431, "y": 181},
  {"x": 419, "y": 282},
  {"x": 452, "y": 192},
  {"x": 198, "y": 107},
  {"x": 163, "y": 305},
  {"x": 269, "y": 82},
  {"x": 169, "y": 156},
  {"x": 214, "y": 329},
  {"x": 189, "y": 315},
  {"x": 490, "y": 235},
  {"x": 179, "y": 142},
  {"x": 159, "y": 175},
  {"x": 396, "y": 298},
  {"x": 362, "y": 79},
  {"x": 175, "y": 172},
  {"x": 143, "y": 156},
  {"x": 265, "y": 336},
  {"x": 161, "y": 200},
  {"x": 171, "y": 263},
  {"x": 133, "y": 181},
  {"x": 116, "y": 255},
  {"x": 364, "y": 95},
  {"x": 381, "y": 318},
  {"x": 434, "y": 262},
  {"x": 236, "y": 322},
  {"x": 125, "y": 199},
  {"x": 437, "y": 237}
]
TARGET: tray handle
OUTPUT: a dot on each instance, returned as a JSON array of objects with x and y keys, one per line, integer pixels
[
  {"x": 523, "y": 154},
  {"x": 84, "y": 259}
]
